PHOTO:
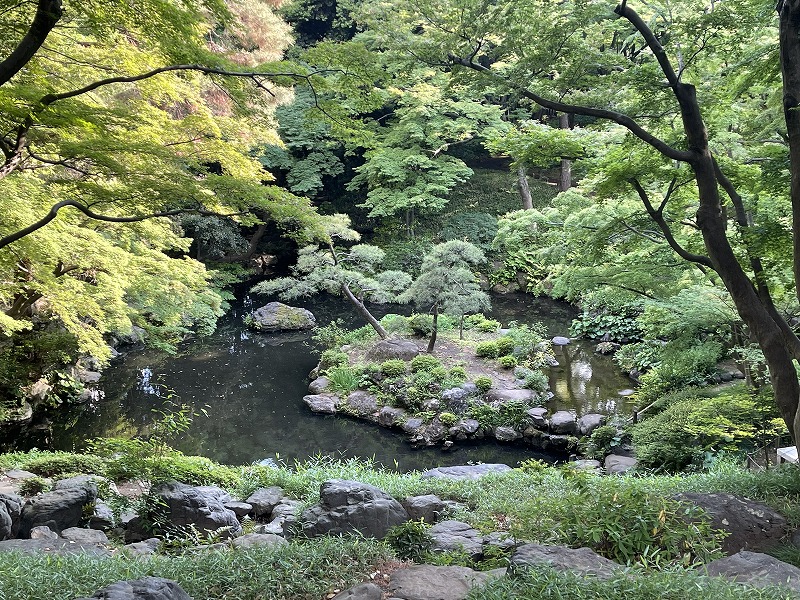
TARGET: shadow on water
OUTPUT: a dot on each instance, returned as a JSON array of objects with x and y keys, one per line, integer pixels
[{"x": 251, "y": 387}]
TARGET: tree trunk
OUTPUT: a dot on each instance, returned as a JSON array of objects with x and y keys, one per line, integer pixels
[
  {"x": 565, "y": 181},
  {"x": 432, "y": 341},
  {"x": 364, "y": 312},
  {"x": 524, "y": 188},
  {"x": 789, "y": 11}
]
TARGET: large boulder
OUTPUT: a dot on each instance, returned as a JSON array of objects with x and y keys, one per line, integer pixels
[
  {"x": 756, "y": 569},
  {"x": 276, "y": 316},
  {"x": 456, "y": 536},
  {"x": 146, "y": 588},
  {"x": 582, "y": 561},
  {"x": 362, "y": 403},
  {"x": 59, "y": 509},
  {"x": 264, "y": 501},
  {"x": 465, "y": 471},
  {"x": 393, "y": 348},
  {"x": 563, "y": 422},
  {"x": 538, "y": 417},
  {"x": 347, "y": 506},
  {"x": 321, "y": 404},
  {"x": 504, "y": 433},
  {"x": 428, "y": 507},
  {"x": 427, "y": 582},
  {"x": 751, "y": 525},
  {"x": 203, "y": 509},
  {"x": 589, "y": 422},
  {"x": 10, "y": 513},
  {"x": 319, "y": 386}
]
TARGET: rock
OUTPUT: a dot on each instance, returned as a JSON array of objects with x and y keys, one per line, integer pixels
[
  {"x": 19, "y": 474},
  {"x": 537, "y": 416},
  {"x": 102, "y": 517},
  {"x": 501, "y": 540},
  {"x": 585, "y": 464},
  {"x": 88, "y": 376},
  {"x": 241, "y": 509},
  {"x": 137, "y": 335},
  {"x": 752, "y": 525},
  {"x": 503, "y": 396},
  {"x": 10, "y": 513},
  {"x": 616, "y": 464},
  {"x": 84, "y": 536},
  {"x": 560, "y": 340},
  {"x": 56, "y": 546},
  {"x": 606, "y": 348},
  {"x": 251, "y": 540},
  {"x": 454, "y": 395},
  {"x": 146, "y": 588},
  {"x": 215, "y": 492},
  {"x": 393, "y": 348},
  {"x": 428, "y": 507},
  {"x": 582, "y": 561},
  {"x": 284, "y": 517},
  {"x": 389, "y": 416},
  {"x": 469, "y": 387},
  {"x": 412, "y": 425},
  {"x": 465, "y": 471},
  {"x": 506, "y": 434},
  {"x": 325, "y": 405},
  {"x": 563, "y": 422},
  {"x": 43, "y": 532},
  {"x": 589, "y": 422},
  {"x": 187, "y": 506},
  {"x": 277, "y": 316},
  {"x": 319, "y": 385},
  {"x": 143, "y": 548},
  {"x": 59, "y": 509},
  {"x": 756, "y": 569},
  {"x": 468, "y": 427},
  {"x": 40, "y": 390},
  {"x": 347, "y": 506},
  {"x": 264, "y": 500},
  {"x": 456, "y": 536},
  {"x": 87, "y": 482},
  {"x": 427, "y": 582},
  {"x": 362, "y": 403},
  {"x": 362, "y": 591}
]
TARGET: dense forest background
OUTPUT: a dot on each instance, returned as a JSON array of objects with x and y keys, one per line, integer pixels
[{"x": 643, "y": 165}]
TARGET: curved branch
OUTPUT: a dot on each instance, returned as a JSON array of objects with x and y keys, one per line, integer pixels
[
  {"x": 48, "y": 13},
  {"x": 658, "y": 217},
  {"x": 601, "y": 113},
  {"x": 18, "y": 235},
  {"x": 651, "y": 40}
]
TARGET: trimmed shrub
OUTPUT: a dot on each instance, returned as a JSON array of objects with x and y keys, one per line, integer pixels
[
  {"x": 508, "y": 362},
  {"x": 486, "y": 349},
  {"x": 483, "y": 383},
  {"x": 448, "y": 419},
  {"x": 393, "y": 367},
  {"x": 424, "y": 362},
  {"x": 333, "y": 358},
  {"x": 505, "y": 346}
]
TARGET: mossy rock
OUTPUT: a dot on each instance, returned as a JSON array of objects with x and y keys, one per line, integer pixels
[{"x": 275, "y": 316}]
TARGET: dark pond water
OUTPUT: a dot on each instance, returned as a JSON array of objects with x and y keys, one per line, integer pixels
[{"x": 251, "y": 386}]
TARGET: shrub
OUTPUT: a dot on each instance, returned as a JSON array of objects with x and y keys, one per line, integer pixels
[
  {"x": 61, "y": 463},
  {"x": 410, "y": 540},
  {"x": 640, "y": 356},
  {"x": 602, "y": 441},
  {"x": 483, "y": 383},
  {"x": 532, "y": 380},
  {"x": 512, "y": 413},
  {"x": 393, "y": 367},
  {"x": 333, "y": 358},
  {"x": 486, "y": 349},
  {"x": 508, "y": 362},
  {"x": 477, "y": 228},
  {"x": 422, "y": 324},
  {"x": 505, "y": 346},
  {"x": 530, "y": 344},
  {"x": 680, "y": 366},
  {"x": 485, "y": 414},
  {"x": 457, "y": 375},
  {"x": 488, "y": 326},
  {"x": 448, "y": 419},
  {"x": 424, "y": 362},
  {"x": 473, "y": 321},
  {"x": 393, "y": 323},
  {"x": 32, "y": 486}
]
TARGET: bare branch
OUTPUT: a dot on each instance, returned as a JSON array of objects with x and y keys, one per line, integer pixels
[{"x": 48, "y": 13}]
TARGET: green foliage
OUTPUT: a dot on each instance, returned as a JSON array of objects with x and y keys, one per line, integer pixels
[
  {"x": 680, "y": 366},
  {"x": 448, "y": 419},
  {"x": 505, "y": 345},
  {"x": 477, "y": 228},
  {"x": 210, "y": 575},
  {"x": 483, "y": 383},
  {"x": 60, "y": 463},
  {"x": 508, "y": 362},
  {"x": 425, "y": 362},
  {"x": 333, "y": 358},
  {"x": 422, "y": 324},
  {"x": 617, "y": 326},
  {"x": 640, "y": 356},
  {"x": 485, "y": 414},
  {"x": 344, "y": 378},
  {"x": 488, "y": 326},
  {"x": 533, "y": 380},
  {"x": 411, "y": 540},
  {"x": 394, "y": 367},
  {"x": 487, "y": 349},
  {"x": 690, "y": 427},
  {"x": 33, "y": 485},
  {"x": 530, "y": 344},
  {"x": 457, "y": 375},
  {"x": 601, "y": 443}
]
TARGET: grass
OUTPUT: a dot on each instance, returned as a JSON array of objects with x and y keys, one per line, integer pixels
[{"x": 298, "y": 571}]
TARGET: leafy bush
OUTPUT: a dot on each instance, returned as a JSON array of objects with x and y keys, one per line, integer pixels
[
  {"x": 680, "y": 366},
  {"x": 487, "y": 349},
  {"x": 483, "y": 383},
  {"x": 488, "y": 326},
  {"x": 485, "y": 414},
  {"x": 393, "y": 323},
  {"x": 422, "y": 324},
  {"x": 530, "y": 344},
  {"x": 532, "y": 380},
  {"x": 333, "y": 358},
  {"x": 601, "y": 443},
  {"x": 448, "y": 419},
  {"x": 410, "y": 540},
  {"x": 344, "y": 378},
  {"x": 508, "y": 362},
  {"x": 639, "y": 356},
  {"x": 513, "y": 413},
  {"x": 33, "y": 485},
  {"x": 394, "y": 367},
  {"x": 618, "y": 325},
  {"x": 505, "y": 346},
  {"x": 61, "y": 463},
  {"x": 457, "y": 375},
  {"x": 424, "y": 362},
  {"x": 694, "y": 426},
  {"x": 476, "y": 228}
]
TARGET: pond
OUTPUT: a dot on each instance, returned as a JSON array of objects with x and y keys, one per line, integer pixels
[{"x": 251, "y": 388}]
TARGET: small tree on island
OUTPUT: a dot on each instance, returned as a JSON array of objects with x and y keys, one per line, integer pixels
[
  {"x": 448, "y": 284},
  {"x": 353, "y": 272}
]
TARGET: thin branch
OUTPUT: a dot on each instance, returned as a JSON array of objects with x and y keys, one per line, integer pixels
[
  {"x": 652, "y": 41},
  {"x": 48, "y": 13},
  {"x": 662, "y": 224},
  {"x": 10, "y": 239}
]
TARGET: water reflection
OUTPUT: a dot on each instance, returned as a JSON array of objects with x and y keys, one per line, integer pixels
[{"x": 251, "y": 386}]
